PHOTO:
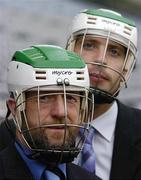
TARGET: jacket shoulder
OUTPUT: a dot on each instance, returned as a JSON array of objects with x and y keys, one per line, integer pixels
[
  {"x": 12, "y": 165},
  {"x": 129, "y": 122},
  {"x": 75, "y": 172},
  {"x": 131, "y": 114}
]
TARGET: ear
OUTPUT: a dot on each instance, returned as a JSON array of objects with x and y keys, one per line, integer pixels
[{"x": 11, "y": 105}]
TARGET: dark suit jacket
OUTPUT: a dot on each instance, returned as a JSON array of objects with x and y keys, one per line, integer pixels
[
  {"x": 13, "y": 167},
  {"x": 126, "y": 160},
  {"x": 6, "y": 133}
]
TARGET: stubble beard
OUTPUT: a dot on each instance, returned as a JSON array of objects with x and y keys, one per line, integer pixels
[{"x": 42, "y": 141}]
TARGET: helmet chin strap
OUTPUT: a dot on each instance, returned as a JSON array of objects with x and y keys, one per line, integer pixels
[
  {"x": 54, "y": 156},
  {"x": 102, "y": 97}
]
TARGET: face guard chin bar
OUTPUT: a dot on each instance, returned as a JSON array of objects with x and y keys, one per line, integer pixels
[
  {"x": 102, "y": 97},
  {"x": 54, "y": 156}
]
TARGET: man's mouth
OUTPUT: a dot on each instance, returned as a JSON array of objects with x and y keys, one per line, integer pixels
[
  {"x": 98, "y": 77},
  {"x": 57, "y": 127}
]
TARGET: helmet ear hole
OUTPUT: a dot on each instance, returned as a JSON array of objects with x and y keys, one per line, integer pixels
[
  {"x": 11, "y": 105},
  {"x": 125, "y": 71}
]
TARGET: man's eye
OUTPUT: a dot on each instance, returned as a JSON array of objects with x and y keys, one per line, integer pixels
[
  {"x": 117, "y": 52},
  {"x": 114, "y": 51},
  {"x": 88, "y": 46},
  {"x": 71, "y": 99},
  {"x": 44, "y": 98}
]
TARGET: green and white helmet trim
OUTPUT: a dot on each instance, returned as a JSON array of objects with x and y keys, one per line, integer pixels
[
  {"x": 43, "y": 65},
  {"x": 102, "y": 21}
]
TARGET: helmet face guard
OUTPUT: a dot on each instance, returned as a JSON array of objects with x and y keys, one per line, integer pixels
[
  {"x": 65, "y": 147},
  {"x": 116, "y": 32},
  {"x": 50, "y": 111}
]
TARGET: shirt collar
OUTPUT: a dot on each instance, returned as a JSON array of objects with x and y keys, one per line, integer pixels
[
  {"x": 105, "y": 124},
  {"x": 34, "y": 166}
]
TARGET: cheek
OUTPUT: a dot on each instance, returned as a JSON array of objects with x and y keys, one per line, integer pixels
[
  {"x": 117, "y": 64},
  {"x": 32, "y": 114},
  {"x": 73, "y": 115},
  {"x": 32, "y": 117},
  {"x": 43, "y": 113}
]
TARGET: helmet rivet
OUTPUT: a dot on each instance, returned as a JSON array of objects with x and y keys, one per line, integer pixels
[
  {"x": 59, "y": 81},
  {"x": 66, "y": 81}
]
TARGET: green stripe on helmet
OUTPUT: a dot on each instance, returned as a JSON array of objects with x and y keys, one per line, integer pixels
[
  {"x": 47, "y": 56},
  {"x": 109, "y": 14}
]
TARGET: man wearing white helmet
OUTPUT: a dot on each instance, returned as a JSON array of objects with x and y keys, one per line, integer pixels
[
  {"x": 107, "y": 42},
  {"x": 49, "y": 102}
]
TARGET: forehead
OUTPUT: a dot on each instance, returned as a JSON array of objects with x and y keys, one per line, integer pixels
[
  {"x": 35, "y": 93},
  {"x": 99, "y": 40}
]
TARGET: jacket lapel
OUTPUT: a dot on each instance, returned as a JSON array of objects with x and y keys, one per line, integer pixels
[{"x": 126, "y": 155}]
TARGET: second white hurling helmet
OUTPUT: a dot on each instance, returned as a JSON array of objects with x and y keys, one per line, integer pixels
[{"x": 112, "y": 26}]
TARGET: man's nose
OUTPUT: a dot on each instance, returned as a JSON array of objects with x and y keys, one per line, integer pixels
[
  {"x": 100, "y": 55},
  {"x": 58, "y": 108}
]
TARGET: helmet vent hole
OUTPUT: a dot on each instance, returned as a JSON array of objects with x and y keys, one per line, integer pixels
[
  {"x": 40, "y": 75},
  {"x": 91, "y": 20},
  {"x": 79, "y": 72},
  {"x": 80, "y": 75},
  {"x": 40, "y": 78},
  {"x": 127, "y": 30},
  {"x": 128, "y": 33},
  {"x": 80, "y": 78}
]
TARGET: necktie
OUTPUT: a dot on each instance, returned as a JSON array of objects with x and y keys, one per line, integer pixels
[
  {"x": 88, "y": 156},
  {"x": 54, "y": 169}
]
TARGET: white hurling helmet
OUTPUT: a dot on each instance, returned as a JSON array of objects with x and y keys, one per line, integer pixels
[{"x": 38, "y": 73}]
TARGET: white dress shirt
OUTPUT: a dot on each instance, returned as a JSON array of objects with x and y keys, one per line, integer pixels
[{"x": 104, "y": 140}]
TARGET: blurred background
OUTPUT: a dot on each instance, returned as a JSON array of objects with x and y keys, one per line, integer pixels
[{"x": 27, "y": 22}]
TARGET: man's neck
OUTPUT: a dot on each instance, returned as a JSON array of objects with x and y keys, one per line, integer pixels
[{"x": 101, "y": 109}]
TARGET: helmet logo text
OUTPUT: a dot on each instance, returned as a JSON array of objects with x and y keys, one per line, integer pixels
[
  {"x": 110, "y": 22},
  {"x": 58, "y": 73}
]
